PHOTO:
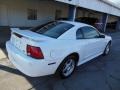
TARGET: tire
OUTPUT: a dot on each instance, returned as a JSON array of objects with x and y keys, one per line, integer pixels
[
  {"x": 67, "y": 67},
  {"x": 107, "y": 49}
]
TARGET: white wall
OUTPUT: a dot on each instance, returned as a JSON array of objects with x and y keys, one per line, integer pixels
[{"x": 17, "y": 12}]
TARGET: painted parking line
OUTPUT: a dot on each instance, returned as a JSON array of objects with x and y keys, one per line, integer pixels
[{"x": 2, "y": 54}]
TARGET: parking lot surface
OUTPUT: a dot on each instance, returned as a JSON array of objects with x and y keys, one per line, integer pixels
[{"x": 102, "y": 73}]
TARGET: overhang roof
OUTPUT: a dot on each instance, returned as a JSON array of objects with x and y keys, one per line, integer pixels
[
  {"x": 104, "y": 6},
  {"x": 115, "y": 3}
]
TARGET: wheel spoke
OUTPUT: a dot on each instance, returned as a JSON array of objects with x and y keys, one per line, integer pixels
[{"x": 69, "y": 67}]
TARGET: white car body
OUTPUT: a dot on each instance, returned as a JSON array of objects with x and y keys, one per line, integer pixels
[{"x": 54, "y": 50}]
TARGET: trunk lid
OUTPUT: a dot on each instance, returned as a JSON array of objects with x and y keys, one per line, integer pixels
[
  {"x": 31, "y": 35},
  {"x": 21, "y": 38}
]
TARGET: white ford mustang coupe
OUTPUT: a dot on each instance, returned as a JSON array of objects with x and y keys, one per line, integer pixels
[{"x": 58, "y": 46}]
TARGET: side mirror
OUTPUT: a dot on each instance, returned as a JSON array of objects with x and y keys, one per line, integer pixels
[{"x": 102, "y": 36}]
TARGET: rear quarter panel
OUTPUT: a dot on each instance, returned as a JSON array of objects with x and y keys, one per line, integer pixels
[{"x": 63, "y": 48}]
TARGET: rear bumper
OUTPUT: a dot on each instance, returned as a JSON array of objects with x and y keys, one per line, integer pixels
[{"x": 28, "y": 65}]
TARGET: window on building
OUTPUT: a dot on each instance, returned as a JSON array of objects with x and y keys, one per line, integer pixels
[{"x": 32, "y": 14}]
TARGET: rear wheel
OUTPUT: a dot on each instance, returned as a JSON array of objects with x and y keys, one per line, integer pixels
[{"x": 67, "y": 67}]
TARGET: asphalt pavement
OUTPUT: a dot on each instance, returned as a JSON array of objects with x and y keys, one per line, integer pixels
[{"x": 102, "y": 73}]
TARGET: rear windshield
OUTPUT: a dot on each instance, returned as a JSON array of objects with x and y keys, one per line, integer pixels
[{"x": 54, "y": 29}]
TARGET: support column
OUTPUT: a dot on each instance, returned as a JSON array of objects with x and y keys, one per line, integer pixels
[
  {"x": 103, "y": 22},
  {"x": 118, "y": 25},
  {"x": 72, "y": 13}
]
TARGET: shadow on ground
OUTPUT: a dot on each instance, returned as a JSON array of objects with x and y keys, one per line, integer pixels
[
  {"x": 94, "y": 75},
  {"x": 53, "y": 82}
]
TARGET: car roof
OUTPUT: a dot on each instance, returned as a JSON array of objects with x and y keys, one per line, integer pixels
[{"x": 76, "y": 23}]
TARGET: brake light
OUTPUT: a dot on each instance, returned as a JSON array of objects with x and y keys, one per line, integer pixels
[{"x": 34, "y": 52}]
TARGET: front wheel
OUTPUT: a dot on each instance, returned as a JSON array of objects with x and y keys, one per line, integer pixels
[
  {"x": 107, "y": 49},
  {"x": 67, "y": 67}
]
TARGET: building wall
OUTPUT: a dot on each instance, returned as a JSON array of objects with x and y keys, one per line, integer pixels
[{"x": 14, "y": 12}]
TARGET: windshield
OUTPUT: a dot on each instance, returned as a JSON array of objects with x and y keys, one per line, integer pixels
[{"x": 54, "y": 29}]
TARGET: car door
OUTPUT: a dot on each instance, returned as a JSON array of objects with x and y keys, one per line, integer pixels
[{"x": 93, "y": 45}]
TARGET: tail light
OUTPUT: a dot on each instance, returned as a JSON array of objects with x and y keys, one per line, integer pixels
[{"x": 34, "y": 52}]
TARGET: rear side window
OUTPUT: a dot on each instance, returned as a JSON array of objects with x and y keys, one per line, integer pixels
[
  {"x": 89, "y": 32},
  {"x": 79, "y": 34},
  {"x": 54, "y": 29}
]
